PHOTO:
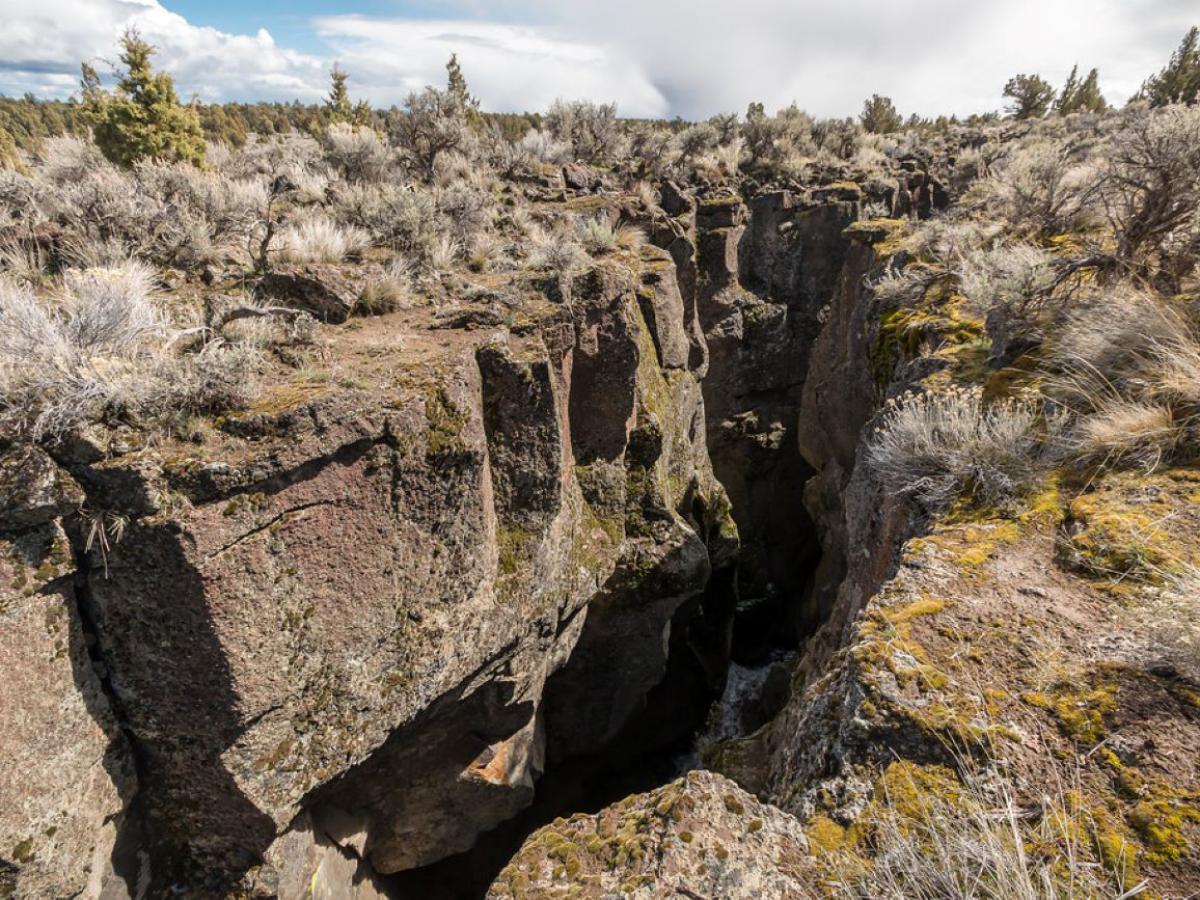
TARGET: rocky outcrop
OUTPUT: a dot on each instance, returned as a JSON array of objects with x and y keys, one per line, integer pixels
[
  {"x": 65, "y": 769},
  {"x": 322, "y": 637},
  {"x": 700, "y": 836},
  {"x": 327, "y": 292}
]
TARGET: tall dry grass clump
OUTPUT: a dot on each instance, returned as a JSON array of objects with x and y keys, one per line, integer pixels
[
  {"x": 978, "y": 841},
  {"x": 319, "y": 239},
  {"x": 935, "y": 447},
  {"x": 1129, "y": 364},
  {"x": 102, "y": 348}
]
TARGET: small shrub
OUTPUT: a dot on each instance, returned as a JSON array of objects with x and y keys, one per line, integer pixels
[
  {"x": 434, "y": 123},
  {"x": 597, "y": 235},
  {"x": 545, "y": 148},
  {"x": 389, "y": 292},
  {"x": 1043, "y": 190},
  {"x": 442, "y": 253},
  {"x": 935, "y": 447},
  {"x": 110, "y": 310},
  {"x": 66, "y": 159},
  {"x": 697, "y": 140},
  {"x": 1012, "y": 288},
  {"x": 1150, "y": 188},
  {"x": 356, "y": 152},
  {"x": 558, "y": 252},
  {"x": 218, "y": 378},
  {"x": 591, "y": 129},
  {"x": 320, "y": 239}
]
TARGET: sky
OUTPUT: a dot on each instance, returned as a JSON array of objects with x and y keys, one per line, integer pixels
[{"x": 654, "y": 58}]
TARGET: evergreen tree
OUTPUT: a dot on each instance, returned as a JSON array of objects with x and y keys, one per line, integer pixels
[
  {"x": 1081, "y": 96},
  {"x": 1031, "y": 96},
  {"x": 142, "y": 118},
  {"x": 460, "y": 94},
  {"x": 1090, "y": 98},
  {"x": 879, "y": 115},
  {"x": 338, "y": 105},
  {"x": 1068, "y": 96},
  {"x": 1179, "y": 82}
]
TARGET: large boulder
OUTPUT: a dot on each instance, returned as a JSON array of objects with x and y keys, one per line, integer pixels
[
  {"x": 326, "y": 290},
  {"x": 699, "y": 836}
]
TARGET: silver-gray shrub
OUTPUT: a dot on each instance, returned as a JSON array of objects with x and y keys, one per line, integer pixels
[
  {"x": 1012, "y": 287},
  {"x": 544, "y": 147},
  {"x": 1150, "y": 189},
  {"x": 1042, "y": 188},
  {"x": 590, "y": 128},
  {"x": 357, "y": 153},
  {"x": 101, "y": 349},
  {"x": 938, "y": 446}
]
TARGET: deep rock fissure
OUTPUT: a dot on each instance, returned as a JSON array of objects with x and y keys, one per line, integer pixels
[
  {"x": 646, "y": 647},
  {"x": 127, "y": 857},
  {"x": 755, "y": 612}
]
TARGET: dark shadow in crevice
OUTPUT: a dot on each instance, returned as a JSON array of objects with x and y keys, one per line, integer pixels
[{"x": 166, "y": 682}]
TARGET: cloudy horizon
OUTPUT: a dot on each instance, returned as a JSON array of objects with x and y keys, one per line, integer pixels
[{"x": 659, "y": 60}]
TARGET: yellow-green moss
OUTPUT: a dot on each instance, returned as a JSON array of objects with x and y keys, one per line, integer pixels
[
  {"x": 23, "y": 852},
  {"x": 446, "y": 424},
  {"x": 1111, "y": 537},
  {"x": 1161, "y": 822},
  {"x": 514, "y": 547},
  {"x": 824, "y": 835},
  {"x": 926, "y": 606},
  {"x": 1081, "y": 707},
  {"x": 885, "y": 235}
]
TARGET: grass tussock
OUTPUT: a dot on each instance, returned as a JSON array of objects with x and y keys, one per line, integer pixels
[
  {"x": 978, "y": 841},
  {"x": 938, "y": 446}
]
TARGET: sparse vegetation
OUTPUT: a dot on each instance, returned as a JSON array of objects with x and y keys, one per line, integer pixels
[
  {"x": 938, "y": 446},
  {"x": 1029, "y": 299},
  {"x": 978, "y": 841}
]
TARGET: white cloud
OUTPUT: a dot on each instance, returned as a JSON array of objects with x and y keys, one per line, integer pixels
[
  {"x": 654, "y": 57},
  {"x": 509, "y": 67},
  {"x": 931, "y": 56},
  {"x": 43, "y": 42}
]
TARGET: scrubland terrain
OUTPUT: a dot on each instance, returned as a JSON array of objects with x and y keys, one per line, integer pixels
[{"x": 383, "y": 510}]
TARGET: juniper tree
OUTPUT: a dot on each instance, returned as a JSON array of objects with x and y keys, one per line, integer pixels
[
  {"x": 460, "y": 94},
  {"x": 1179, "y": 82},
  {"x": 1031, "y": 96},
  {"x": 879, "y": 115},
  {"x": 1080, "y": 96},
  {"x": 142, "y": 117},
  {"x": 339, "y": 106}
]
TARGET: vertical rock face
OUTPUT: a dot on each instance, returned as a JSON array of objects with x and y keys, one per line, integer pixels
[
  {"x": 65, "y": 772},
  {"x": 344, "y": 635},
  {"x": 325, "y": 635},
  {"x": 763, "y": 275}
]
